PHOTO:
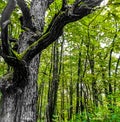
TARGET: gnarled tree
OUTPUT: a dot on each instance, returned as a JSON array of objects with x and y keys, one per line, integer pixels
[{"x": 19, "y": 87}]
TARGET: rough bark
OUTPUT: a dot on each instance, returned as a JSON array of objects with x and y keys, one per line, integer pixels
[
  {"x": 19, "y": 92},
  {"x": 21, "y": 105}
]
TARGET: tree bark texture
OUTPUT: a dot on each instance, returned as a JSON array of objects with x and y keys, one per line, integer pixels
[
  {"x": 21, "y": 106},
  {"x": 19, "y": 88}
]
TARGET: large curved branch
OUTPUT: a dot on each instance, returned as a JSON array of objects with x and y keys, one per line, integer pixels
[
  {"x": 64, "y": 4},
  {"x": 4, "y": 25},
  {"x": 26, "y": 21},
  {"x": 5, "y": 50},
  {"x": 70, "y": 14}
]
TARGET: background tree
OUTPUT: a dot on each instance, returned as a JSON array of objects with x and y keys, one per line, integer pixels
[{"x": 95, "y": 30}]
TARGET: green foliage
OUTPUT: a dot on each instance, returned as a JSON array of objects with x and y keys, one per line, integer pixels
[
  {"x": 3, "y": 67},
  {"x": 101, "y": 114},
  {"x": 94, "y": 38}
]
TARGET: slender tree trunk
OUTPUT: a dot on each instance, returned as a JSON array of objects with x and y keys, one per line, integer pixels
[
  {"x": 110, "y": 88},
  {"x": 78, "y": 85},
  {"x": 86, "y": 104},
  {"x": 40, "y": 100},
  {"x": 61, "y": 71},
  {"x": 109, "y": 82},
  {"x": 71, "y": 89},
  {"x": 94, "y": 84},
  {"x": 115, "y": 84},
  {"x": 62, "y": 98},
  {"x": 52, "y": 98},
  {"x": 71, "y": 100}
]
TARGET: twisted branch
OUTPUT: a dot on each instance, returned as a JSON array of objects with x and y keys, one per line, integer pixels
[
  {"x": 70, "y": 14},
  {"x": 26, "y": 21},
  {"x": 4, "y": 25}
]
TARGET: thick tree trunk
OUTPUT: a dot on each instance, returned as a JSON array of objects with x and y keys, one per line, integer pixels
[{"x": 21, "y": 105}]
